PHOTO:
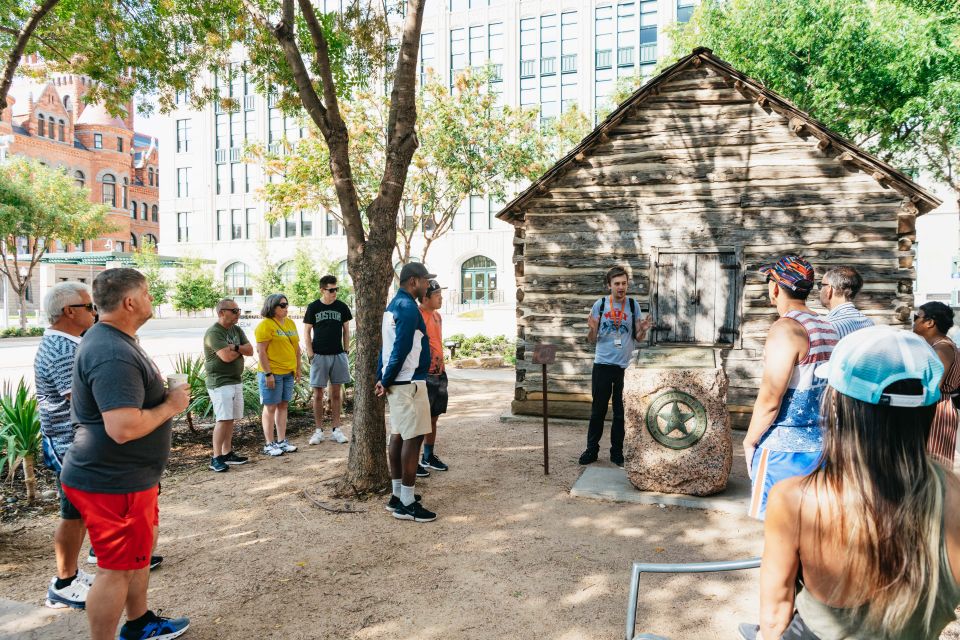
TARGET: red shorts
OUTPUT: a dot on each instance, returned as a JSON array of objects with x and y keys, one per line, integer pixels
[{"x": 120, "y": 525}]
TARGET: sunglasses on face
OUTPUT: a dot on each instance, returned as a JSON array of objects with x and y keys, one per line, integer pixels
[
  {"x": 232, "y": 309},
  {"x": 283, "y": 305},
  {"x": 89, "y": 306},
  {"x": 332, "y": 289},
  {"x": 917, "y": 317}
]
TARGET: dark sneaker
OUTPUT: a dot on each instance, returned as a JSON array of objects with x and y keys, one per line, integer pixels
[
  {"x": 433, "y": 462},
  {"x": 617, "y": 459},
  {"x": 422, "y": 472},
  {"x": 395, "y": 502},
  {"x": 231, "y": 458},
  {"x": 415, "y": 512},
  {"x": 155, "y": 561},
  {"x": 156, "y": 628},
  {"x": 588, "y": 457},
  {"x": 218, "y": 465}
]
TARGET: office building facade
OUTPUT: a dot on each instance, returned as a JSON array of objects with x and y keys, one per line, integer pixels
[{"x": 546, "y": 54}]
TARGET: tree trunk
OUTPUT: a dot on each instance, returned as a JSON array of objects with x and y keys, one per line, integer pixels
[
  {"x": 30, "y": 479},
  {"x": 21, "y": 307},
  {"x": 367, "y": 469}
]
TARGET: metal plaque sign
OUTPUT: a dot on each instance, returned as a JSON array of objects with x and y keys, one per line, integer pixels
[
  {"x": 676, "y": 420},
  {"x": 544, "y": 353}
]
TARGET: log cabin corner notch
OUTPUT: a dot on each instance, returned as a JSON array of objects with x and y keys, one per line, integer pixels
[{"x": 699, "y": 177}]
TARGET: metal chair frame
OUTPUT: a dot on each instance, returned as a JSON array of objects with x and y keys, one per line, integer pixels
[{"x": 693, "y": 567}]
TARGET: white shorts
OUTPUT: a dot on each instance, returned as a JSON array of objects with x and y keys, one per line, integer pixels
[
  {"x": 409, "y": 409},
  {"x": 227, "y": 402}
]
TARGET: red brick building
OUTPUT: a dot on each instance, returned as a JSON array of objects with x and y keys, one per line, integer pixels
[{"x": 50, "y": 122}]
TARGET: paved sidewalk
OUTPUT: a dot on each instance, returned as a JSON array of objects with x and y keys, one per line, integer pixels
[{"x": 29, "y": 622}]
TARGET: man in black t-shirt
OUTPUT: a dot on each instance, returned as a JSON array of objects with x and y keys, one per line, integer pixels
[
  {"x": 327, "y": 340},
  {"x": 123, "y": 417}
]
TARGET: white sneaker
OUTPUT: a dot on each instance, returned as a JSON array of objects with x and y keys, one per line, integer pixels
[
  {"x": 272, "y": 449},
  {"x": 85, "y": 578},
  {"x": 317, "y": 437},
  {"x": 338, "y": 436},
  {"x": 74, "y": 595},
  {"x": 286, "y": 447}
]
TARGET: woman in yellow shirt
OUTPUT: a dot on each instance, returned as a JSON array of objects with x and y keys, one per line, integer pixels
[{"x": 278, "y": 351}]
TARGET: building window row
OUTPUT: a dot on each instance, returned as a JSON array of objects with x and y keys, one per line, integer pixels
[
  {"x": 51, "y": 127},
  {"x": 287, "y": 228}
]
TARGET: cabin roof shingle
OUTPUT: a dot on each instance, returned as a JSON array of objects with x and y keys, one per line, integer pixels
[{"x": 923, "y": 199}]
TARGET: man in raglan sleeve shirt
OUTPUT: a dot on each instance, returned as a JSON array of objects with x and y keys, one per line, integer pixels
[{"x": 401, "y": 376}]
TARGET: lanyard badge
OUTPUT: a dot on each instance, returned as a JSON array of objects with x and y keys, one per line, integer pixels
[{"x": 617, "y": 318}]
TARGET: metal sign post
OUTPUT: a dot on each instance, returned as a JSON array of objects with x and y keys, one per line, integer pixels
[{"x": 544, "y": 354}]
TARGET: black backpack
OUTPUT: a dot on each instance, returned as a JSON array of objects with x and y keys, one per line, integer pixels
[{"x": 633, "y": 315}]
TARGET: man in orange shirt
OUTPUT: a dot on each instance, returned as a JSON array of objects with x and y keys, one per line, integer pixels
[{"x": 431, "y": 302}]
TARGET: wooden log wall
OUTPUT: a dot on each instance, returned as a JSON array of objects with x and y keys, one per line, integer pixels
[{"x": 700, "y": 166}]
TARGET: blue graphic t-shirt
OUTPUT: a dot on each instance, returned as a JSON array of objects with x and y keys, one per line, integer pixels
[{"x": 616, "y": 322}]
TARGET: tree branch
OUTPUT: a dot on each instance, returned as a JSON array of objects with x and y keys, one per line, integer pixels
[
  {"x": 401, "y": 122},
  {"x": 334, "y": 130},
  {"x": 23, "y": 37}
]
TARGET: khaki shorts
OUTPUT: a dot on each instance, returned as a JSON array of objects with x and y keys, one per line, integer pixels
[
  {"x": 227, "y": 402},
  {"x": 409, "y": 409}
]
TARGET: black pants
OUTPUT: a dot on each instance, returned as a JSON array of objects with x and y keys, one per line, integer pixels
[{"x": 607, "y": 379}]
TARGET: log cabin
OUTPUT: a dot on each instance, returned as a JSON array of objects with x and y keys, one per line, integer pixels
[{"x": 691, "y": 184}]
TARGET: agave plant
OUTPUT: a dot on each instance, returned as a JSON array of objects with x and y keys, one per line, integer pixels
[
  {"x": 20, "y": 434},
  {"x": 200, "y": 405}
]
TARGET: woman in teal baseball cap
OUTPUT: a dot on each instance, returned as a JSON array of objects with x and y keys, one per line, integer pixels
[{"x": 868, "y": 545}]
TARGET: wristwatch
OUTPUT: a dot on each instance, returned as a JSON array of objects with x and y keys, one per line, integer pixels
[
  {"x": 236, "y": 348},
  {"x": 268, "y": 374}
]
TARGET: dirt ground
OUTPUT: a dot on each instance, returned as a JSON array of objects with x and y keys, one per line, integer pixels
[{"x": 512, "y": 554}]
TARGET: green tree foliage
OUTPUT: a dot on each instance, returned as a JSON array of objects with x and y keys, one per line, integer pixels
[
  {"x": 884, "y": 73},
  {"x": 103, "y": 40},
  {"x": 148, "y": 263},
  {"x": 468, "y": 145},
  {"x": 42, "y": 205},
  {"x": 311, "y": 61},
  {"x": 267, "y": 280},
  {"x": 305, "y": 287},
  {"x": 195, "y": 288}
]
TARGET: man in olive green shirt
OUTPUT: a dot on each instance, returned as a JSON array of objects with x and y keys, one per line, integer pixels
[{"x": 224, "y": 346}]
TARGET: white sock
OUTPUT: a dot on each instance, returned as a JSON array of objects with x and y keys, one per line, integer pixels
[
  {"x": 396, "y": 487},
  {"x": 406, "y": 495}
]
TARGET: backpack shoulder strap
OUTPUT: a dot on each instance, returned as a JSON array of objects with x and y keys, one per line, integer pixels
[
  {"x": 603, "y": 303},
  {"x": 633, "y": 319}
]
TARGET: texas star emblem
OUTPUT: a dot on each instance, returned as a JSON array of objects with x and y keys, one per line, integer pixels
[{"x": 676, "y": 420}]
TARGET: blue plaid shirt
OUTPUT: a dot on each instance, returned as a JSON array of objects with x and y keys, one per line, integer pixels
[{"x": 846, "y": 319}]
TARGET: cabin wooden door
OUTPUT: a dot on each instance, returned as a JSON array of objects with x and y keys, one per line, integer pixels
[{"x": 696, "y": 299}]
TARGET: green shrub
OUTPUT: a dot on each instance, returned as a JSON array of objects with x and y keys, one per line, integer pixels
[
  {"x": 201, "y": 407},
  {"x": 17, "y": 332},
  {"x": 480, "y": 345},
  {"x": 20, "y": 434}
]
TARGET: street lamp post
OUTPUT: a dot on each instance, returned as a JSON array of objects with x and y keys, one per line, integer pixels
[{"x": 5, "y": 142}]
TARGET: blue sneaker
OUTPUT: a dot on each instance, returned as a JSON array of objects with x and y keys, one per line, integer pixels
[{"x": 155, "y": 628}]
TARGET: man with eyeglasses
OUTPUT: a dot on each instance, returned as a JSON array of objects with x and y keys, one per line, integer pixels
[
  {"x": 838, "y": 288},
  {"x": 327, "y": 341},
  {"x": 71, "y": 312},
  {"x": 224, "y": 346}
]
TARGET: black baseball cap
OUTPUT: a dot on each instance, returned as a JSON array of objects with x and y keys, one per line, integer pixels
[
  {"x": 433, "y": 287},
  {"x": 414, "y": 270}
]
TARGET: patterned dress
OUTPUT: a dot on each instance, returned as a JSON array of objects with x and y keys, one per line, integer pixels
[{"x": 942, "y": 441}]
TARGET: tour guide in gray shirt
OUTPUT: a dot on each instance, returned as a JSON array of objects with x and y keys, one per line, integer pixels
[{"x": 123, "y": 416}]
